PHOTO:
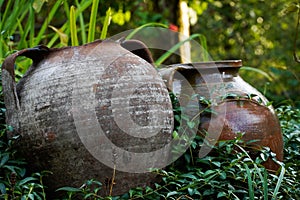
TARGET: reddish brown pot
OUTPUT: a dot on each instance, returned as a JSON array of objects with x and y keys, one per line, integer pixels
[
  {"x": 240, "y": 107},
  {"x": 69, "y": 94}
]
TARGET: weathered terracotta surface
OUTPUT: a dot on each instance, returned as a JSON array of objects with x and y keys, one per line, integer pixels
[
  {"x": 41, "y": 108},
  {"x": 237, "y": 111}
]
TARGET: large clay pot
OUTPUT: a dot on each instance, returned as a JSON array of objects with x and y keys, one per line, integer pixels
[
  {"x": 54, "y": 106},
  {"x": 240, "y": 107}
]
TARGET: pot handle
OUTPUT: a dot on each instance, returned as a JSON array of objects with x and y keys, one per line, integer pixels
[
  {"x": 138, "y": 48},
  {"x": 10, "y": 95}
]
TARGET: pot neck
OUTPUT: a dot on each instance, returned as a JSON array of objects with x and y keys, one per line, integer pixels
[{"x": 224, "y": 67}]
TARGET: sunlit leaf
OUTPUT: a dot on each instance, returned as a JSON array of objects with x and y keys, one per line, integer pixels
[{"x": 63, "y": 37}]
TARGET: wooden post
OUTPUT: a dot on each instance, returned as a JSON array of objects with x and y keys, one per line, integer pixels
[{"x": 184, "y": 30}]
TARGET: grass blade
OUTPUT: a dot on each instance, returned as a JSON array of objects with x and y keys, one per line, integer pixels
[
  {"x": 265, "y": 185},
  {"x": 92, "y": 24},
  {"x": 73, "y": 29},
  {"x": 29, "y": 29},
  {"x": 280, "y": 178},
  {"x": 161, "y": 59},
  {"x": 45, "y": 24},
  {"x": 265, "y": 74},
  {"x": 67, "y": 9},
  {"x": 106, "y": 24},
  {"x": 31, "y": 25},
  {"x": 22, "y": 42},
  {"x": 143, "y": 26},
  {"x": 3, "y": 17},
  {"x": 65, "y": 27},
  {"x": 203, "y": 43},
  {"x": 250, "y": 185},
  {"x": 82, "y": 25}
]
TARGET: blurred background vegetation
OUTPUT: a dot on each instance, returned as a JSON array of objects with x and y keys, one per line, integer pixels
[{"x": 257, "y": 31}]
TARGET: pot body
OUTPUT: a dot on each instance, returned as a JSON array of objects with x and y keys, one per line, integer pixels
[
  {"x": 70, "y": 108},
  {"x": 239, "y": 107}
]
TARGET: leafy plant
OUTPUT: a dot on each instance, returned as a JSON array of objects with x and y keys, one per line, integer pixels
[{"x": 14, "y": 184}]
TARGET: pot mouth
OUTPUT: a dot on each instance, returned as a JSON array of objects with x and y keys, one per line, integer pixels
[{"x": 210, "y": 64}]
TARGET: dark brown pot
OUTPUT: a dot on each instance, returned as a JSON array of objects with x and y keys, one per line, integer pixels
[
  {"x": 240, "y": 107},
  {"x": 54, "y": 106}
]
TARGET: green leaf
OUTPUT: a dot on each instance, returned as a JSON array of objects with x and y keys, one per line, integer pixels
[
  {"x": 216, "y": 163},
  {"x": 172, "y": 193},
  {"x": 175, "y": 135},
  {"x": 191, "y": 124},
  {"x": 69, "y": 189},
  {"x": 223, "y": 175},
  {"x": 209, "y": 172},
  {"x": 26, "y": 180},
  {"x": 191, "y": 176},
  {"x": 221, "y": 194},
  {"x": 2, "y": 188},
  {"x": 31, "y": 196},
  {"x": 4, "y": 159},
  {"x": 191, "y": 191},
  {"x": 63, "y": 37}
]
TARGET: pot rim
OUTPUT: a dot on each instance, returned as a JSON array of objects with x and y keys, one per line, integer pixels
[{"x": 210, "y": 64}]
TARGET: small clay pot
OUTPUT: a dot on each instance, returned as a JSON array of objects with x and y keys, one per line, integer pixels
[{"x": 240, "y": 108}]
